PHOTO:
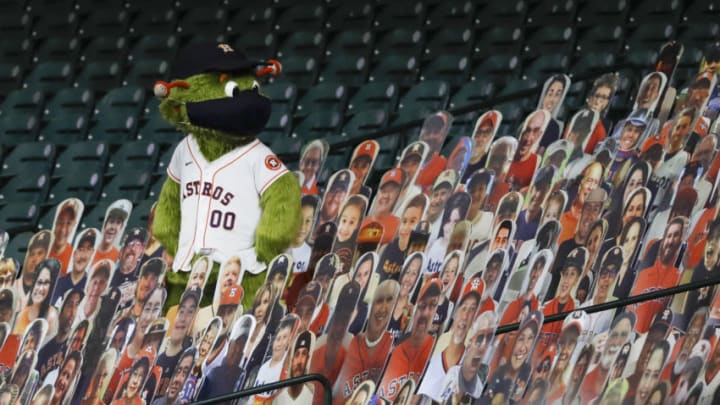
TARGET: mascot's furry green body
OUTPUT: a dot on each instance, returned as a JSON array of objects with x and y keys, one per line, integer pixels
[{"x": 216, "y": 100}]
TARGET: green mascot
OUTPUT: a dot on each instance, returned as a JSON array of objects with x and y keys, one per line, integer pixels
[{"x": 227, "y": 195}]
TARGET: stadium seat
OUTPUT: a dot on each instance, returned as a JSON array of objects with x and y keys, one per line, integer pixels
[
  {"x": 114, "y": 128},
  {"x": 552, "y": 13},
  {"x": 431, "y": 94},
  {"x": 553, "y": 40},
  {"x": 328, "y": 96},
  {"x": 600, "y": 38},
  {"x": 400, "y": 42},
  {"x": 156, "y": 186},
  {"x": 17, "y": 246},
  {"x": 283, "y": 95},
  {"x": 145, "y": 73},
  {"x": 208, "y": 22},
  {"x": 400, "y": 14},
  {"x": 546, "y": 64},
  {"x": 154, "y": 46},
  {"x": 592, "y": 13},
  {"x": 83, "y": 181},
  {"x": 128, "y": 100},
  {"x": 456, "y": 13},
  {"x": 472, "y": 92},
  {"x": 301, "y": 17},
  {"x": 100, "y": 76},
  {"x": 500, "y": 68},
  {"x": 399, "y": 69},
  {"x": 589, "y": 62},
  {"x": 449, "y": 43},
  {"x": 105, "y": 21},
  {"x": 28, "y": 188},
  {"x": 80, "y": 153},
  {"x": 365, "y": 123},
  {"x": 65, "y": 127},
  {"x": 257, "y": 44},
  {"x": 164, "y": 160},
  {"x": 527, "y": 89},
  {"x": 132, "y": 185},
  {"x": 318, "y": 124},
  {"x": 410, "y": 119},
  {"x": 50, "y": 76},
  {"x": 30, "y": 155},
  {"x": 377, "y": 95},
  {"x": 643, "y": 12},
  {"x": 18, "y": 127},
  {"x": 15, "y": 28},
  {"x": 156, "y": 129},
  {"x": 58, "y": 49},
  {"x": 278, "y": 126},
  {"x": 24, "y": 100},
  {"x": 455, "y": 70},
  {"x": 86, "y": 7},
  {"x": 351, "y": 16},
  {"x": 138, "y": 155},
  {"x": 105, "y": 49},
  {"x": 10, "y": 77},
  {"x": 349, "y": 70},
  {"x": 15, "y": 52},
  {"x": 498, "y": 40},
  {"x": 80, "y": 100},
  {"x": 702, "y": 11},
  {"x": 501, "y": 13},
  {"x": 303, "y": 43},
  {"x": 300, "y": 71},
  {"x": 356, "y": 43},
  {"x": 94, "y": 215},
  {"x": 649, "y": 36},
  {"x": 18, "y": 217},
  {"x": 252, "y": 18},
  {"x": 55, "y": 24},
  {"x": 140, "y": 215},
  {"x": 154, "y": 22}
]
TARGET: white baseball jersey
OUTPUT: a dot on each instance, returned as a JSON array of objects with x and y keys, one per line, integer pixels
[{"x": 220, "y": 200}]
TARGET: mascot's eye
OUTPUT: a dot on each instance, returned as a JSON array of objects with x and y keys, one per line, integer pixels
[
  {"x": 255, "y": 86},
  {"x": 231, "y": 89}
]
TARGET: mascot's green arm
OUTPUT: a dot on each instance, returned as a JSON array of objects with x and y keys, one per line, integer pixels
[
  {"x": 278, "y": 227},
  {"x": 166, "y": 224}
]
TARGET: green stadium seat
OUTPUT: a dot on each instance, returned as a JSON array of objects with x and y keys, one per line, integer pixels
[
  {"x": 550, "y": 40},
  {"x": 25, "y": 100},
  {"x": 257, "y": 44},
  {"x": 140, "y": 215},
  {"x": 154, "y": 46},
  {"x": 15, "y": 28},
  {"x": 351, "y": 43},
  {"x": 351, "y": 16},
  {"x": 400, "y": 42},
  {"x": 376, "y": 95},
  {"x": 329, "y": 96},
  {"x": 18, "y": 217},
  {"x": 283, "y": 95},
  {"x": 303, "y": 43},
  {"x": 411, "y": 118},
  {"x": 114, "y": 128},
  {"x": 28, "y": 188},
  {"x": 552, "y": 13},
  {"x": 128, "y": 100},
  {"x": 546, "y": 64},
  {"x": 517, "y": 87},
  {"x": 592, "y": 13},
  {"x": 301, "y": 17},
  {"x": 131, "y": 184},
  {"x": 365, "y": 123},
  {"x": 642, "y": 59},
  {"x": 10, "y": 77},
  {"x": 15, "y": 52},
  {"x": 92, "y": 154},
  {"x": 513, "y": 114},
  {"x": 17, "y": 246},
  {"x": 156, "y": 186},
  {"x": 649, "y": 36},
  {"x": 164, "y": 160},
  {"x": 702, "y": 11},
  {"x": 278, "y": 126},
  {"x": 348, "y": 70},
  {"x": 399, "y": 69},
  {"x": 139, "y": 6},
  {"x": 140, "y": 155},
  {"x": 318, "y": 124},
  {"x": 643, "y": 12},
  {"x": 154, "y": 22},
  {"x": 454, "y": 13},
  {"x": 498, "y": 40},
  {"x": 86, "y": 7},
  {"x": 56, "y": 24},
  {"x": 84, "y": 181},
  {"x": 79, "y": 100},
  {"x": 450, "y": 43},
  {"x": 472, "y": 92},
  {"x": 499, "y": 68},
  {"x": 65, "y": 127},
  {"x": 589, "y": 62},
  {"x": 300, "y": 71},
  {"x": 156, "y": 129},
  {"x": 253, "y": 18},
  {"x": 209, "y": 22},
  {"x": 50, "y": 76},
  {"x": 94, "y": 215},
  {"x": 100, "y": 76},
  {"x": 105, "y": 21},
  {"x": 105, "y": 49},
  {"x": 600, "y": 38},
  {"x": 18, "y": 127},
  {"x": 502, "y": 13},
  {"x": 145, "y": 73},
  {"x": 400, "y": 14},
  {"x": 36, "y": 155},
  {"x": 431, "y": 94}
]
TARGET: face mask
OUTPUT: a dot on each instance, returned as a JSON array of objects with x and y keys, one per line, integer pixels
[{"x": 246, "y": 113}]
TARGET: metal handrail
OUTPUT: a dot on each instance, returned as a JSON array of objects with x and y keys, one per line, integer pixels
[{"x": 274, "y": 386}]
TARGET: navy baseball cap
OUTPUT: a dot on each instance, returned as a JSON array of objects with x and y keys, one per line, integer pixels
[{"x": 202, "y": 57}]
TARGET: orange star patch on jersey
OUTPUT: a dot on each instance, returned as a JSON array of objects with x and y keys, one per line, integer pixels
[{"x": 272, "y": 162}]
